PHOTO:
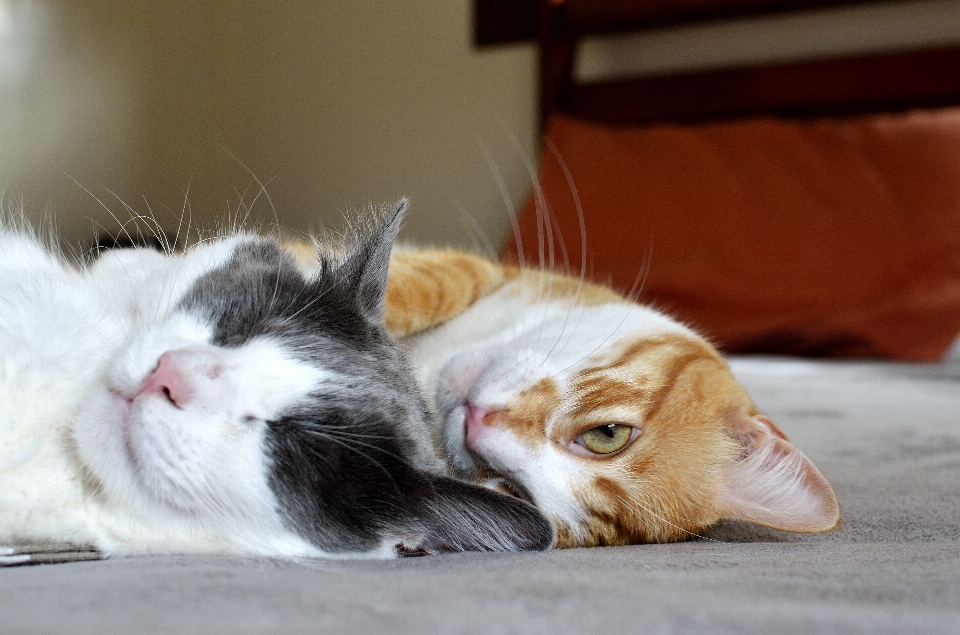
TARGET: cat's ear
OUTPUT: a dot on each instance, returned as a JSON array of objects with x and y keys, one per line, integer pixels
[
  {"x": 772, "y": 483},
  {"x": 455, "y": 516},
  {"x": 366, "y": 268}
]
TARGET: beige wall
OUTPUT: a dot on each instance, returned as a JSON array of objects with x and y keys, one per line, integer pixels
[
  {"x": 350, "y": 102},
  {"x": 117, "y": 98},
  {"x": 334, "y": 104}
]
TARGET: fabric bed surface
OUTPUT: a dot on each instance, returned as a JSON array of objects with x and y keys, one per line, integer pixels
[{"x": 886, "y": 435}]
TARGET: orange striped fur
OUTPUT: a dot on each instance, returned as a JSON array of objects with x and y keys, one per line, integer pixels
[{"x": 429, "y": 287}]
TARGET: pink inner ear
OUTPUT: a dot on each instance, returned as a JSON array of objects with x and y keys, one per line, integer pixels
[{"x": 772, "y": 483}]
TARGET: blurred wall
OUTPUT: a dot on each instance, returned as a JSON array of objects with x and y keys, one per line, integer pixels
[
  {"x": 110, "y": 108},
  {"x": 108, "y": 103},
  {"x": 114, "y": 108}
]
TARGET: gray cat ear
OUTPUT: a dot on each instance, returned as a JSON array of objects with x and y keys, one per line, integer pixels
[
  {"x": 455, "y": 516},
  {"x": 366, "y": 268}
]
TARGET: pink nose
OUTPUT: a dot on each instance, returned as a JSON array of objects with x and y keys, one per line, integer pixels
[
  {"x": 171, "y": 378},
  {"x": 474, "y": 425}
]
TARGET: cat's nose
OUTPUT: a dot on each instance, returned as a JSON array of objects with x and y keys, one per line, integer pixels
[
  {"x": 170, "y": 378},
  {"x": 472, "y": 424},
  {"x": 476, "y": 423},
  {"x": 177, "y": 375}
]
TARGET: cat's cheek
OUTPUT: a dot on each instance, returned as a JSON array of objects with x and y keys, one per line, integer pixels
[
  {"x": 187, "y": 460},
  {"x": 165, "y": 454},
  {"x": 101, "y": 436}
]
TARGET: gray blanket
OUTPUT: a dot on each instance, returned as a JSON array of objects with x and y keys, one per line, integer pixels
[{"x": 886, "y": 435}]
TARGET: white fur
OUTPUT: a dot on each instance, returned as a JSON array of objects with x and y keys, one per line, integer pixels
[{"x": 86, "y": 458}]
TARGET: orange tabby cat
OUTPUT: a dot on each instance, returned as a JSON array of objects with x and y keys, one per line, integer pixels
[{"x": 622, "y": 425}]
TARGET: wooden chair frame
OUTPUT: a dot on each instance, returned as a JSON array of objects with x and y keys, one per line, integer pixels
[{"x": 865, "y": 83}]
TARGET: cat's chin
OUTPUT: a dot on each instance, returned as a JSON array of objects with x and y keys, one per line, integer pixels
[
  {"x": 101, "y": 437},
  {"x": 105, "y": 439}
]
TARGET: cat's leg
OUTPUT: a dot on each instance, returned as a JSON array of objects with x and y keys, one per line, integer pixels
[{"x": 428, "y": 287}]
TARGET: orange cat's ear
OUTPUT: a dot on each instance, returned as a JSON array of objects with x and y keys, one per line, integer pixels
[{"x": 772, "y": 483}]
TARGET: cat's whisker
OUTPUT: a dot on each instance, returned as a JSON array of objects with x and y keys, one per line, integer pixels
[
  {"x": 242, "y": 206},
  {"x": 348, "y": 446},
  {"x": 94, "y": 197},
  {"x": 162, "y": 238},
  {"x": 263, "y": 191},
  {"x": 153, "y": 226},
  {"x": 123, "y": 225},
  {"x": 578, "y": 205},
  {"x": 240, "y": 223},
  {"x": 634, "y": 502},
  {"x": 477, "y": 233},
  {"x": 347, "y": 436},
  {"x": 271, "y": 305},
  {"x": 182, "y": 235},
  {"x": 545, "y": 243},
  {"x": 641, "y": 280},
  {"x": 504, "y": 194},
  {"x": 335, "y": 429},
  {"x": 545, "y": 218},
  {"x": 314, "y": 299}
]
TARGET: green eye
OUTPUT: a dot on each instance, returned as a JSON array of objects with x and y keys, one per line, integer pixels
[{"x": 606, "y": 439}]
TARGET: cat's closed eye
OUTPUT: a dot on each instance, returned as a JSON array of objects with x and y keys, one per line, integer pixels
[{"x": 607, "y": 438}]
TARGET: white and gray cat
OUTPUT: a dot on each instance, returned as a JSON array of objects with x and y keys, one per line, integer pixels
[{"x": 223, "y": 400}]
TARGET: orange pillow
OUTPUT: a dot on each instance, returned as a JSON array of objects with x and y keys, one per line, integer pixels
[{"x": 824, "y": 237}]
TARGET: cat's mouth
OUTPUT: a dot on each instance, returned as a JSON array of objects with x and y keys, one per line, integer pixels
[
  {"x": 483, "y": 474},
  {"x": 469, "y": 463},
  {"x": 513, "y": 489}
]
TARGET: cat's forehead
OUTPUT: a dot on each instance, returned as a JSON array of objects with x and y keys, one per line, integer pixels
[
  {"x": 624, "y": 380},
  {"x": 259, "y": 290},
  {"x": 646, "y": 357},
  {"x": 575, "y": 335}
]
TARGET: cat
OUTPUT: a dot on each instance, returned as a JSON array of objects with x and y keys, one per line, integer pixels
[
  {"x": 619, "y": 423},
  {"x": 224, "y": 400}
]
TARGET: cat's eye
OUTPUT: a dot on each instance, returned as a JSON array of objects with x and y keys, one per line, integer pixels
[{"x": 606, "y": 439}]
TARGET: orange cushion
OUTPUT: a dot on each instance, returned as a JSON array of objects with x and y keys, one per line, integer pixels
[{"x": 827, "y": 237}]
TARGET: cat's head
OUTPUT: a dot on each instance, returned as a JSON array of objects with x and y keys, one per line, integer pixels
[
  {"x": 623, "y": 427},
  {"x": 268, "y": 410}
]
